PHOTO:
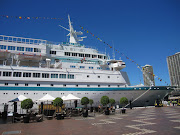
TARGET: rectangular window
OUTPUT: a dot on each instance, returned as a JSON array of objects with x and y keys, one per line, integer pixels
[
  {"x": 100, "y": 56},
  {"x": 82, "y": 66},
  {"x": 87, "y": 55},
  {"x": 67, "y": 53},
  {"x": 81, "y": 55},
  {"x": 37, "y": 50},
  {"x": 25, "y": 74},
  {"x": 70, "y": 76},
  {"x": 54, "y": 75},
  {"x": 3, "y": 47},
  {"x": 11, "y": 47},
  {"x": 53, "y": 52},
  {"x": 45, "y": 75},
  {"x": 17, "y": 74},
  {"x": 20, "y": 48},
  {"x": 62, "y": 76},
  {"x": 29, "y": 49},
  {"x": 94, "y": 56},
  {"x": 74, "y": 54},
  {"x": 7, "y": 73},
  {"x": 72, "y": 66},
  {"x": 36, "y": 75}
]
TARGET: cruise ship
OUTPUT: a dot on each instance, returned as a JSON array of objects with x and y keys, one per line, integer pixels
[{"x": 35, "y": 67}]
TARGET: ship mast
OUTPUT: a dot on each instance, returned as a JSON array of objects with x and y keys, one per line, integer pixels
[{"x": 73, "y": 33}]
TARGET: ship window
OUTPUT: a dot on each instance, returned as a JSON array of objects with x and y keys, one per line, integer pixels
[
  {"x": 74, "y": 54},
  {"x": 54, "y": 75},
  {"x": 38, "y": 84},
  {"x": 88, "y": 85},
  {"x": 17, "y": 74},
  {"x": 81, "y": 55},
  {"x": 104, "y": 57},
  {"x": 0, "y": 73},
  {"x": 99, "y": 68},
  {"x": 72, "y": 66},
  {"x": 3, "y": 47},
  {"x": 11, "y": 47},
  {"x": 90, "y": 67},
  {"x": 52, "y": 84},
  {"x": 76, "y": 85},
  {"x": 53, "y": 52},
  {"x": 45, "y": 75},
  {"x": 87, "y": 76},
  {"x": 16, "y": 84},
  {"x": 100, "y": 56},
  {"x": 29, "y": 49},
  {"x": 25, "y": 74},
  {"x": 67, "y": 53},
  {"x": 99, "y": 85},
  {"x": 98, "y": 76},
  {"x": 36, "y": 75},
  {"x": 62, "y": 75},
  {"x": 109, "y": 85},
  {"x": 87, "y": 55},
  {"x": 64, "y": 85},
  {"x": 37, "y": 50},
  {"x": 70, "y": 76},
  {"x": 20, "y": 48},
  {"x": 7, "y": 73},
  {"x": 82, "y": 66},
  {"x": 108, "y": 76},
  {"x": 94, "y": 56},
  {"x": 118, "y": 85},
  {"x": 26, "y": 84},
  {"x": 5, "y": 83}
]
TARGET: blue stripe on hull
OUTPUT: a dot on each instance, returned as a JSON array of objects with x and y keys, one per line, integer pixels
[{"x": 77, "y": 89}]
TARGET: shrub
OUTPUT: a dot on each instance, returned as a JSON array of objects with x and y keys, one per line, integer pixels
[
  {"x": 104, "y": 100},
  {"x": 123, "y": 101},
  {"x": 58, "y": 102},
  {"x": 91, "y": 102},
  {"x": 27, "y": 104},
  {"x": 85, "y": 101},
  {"x": 112, "y": 101}
]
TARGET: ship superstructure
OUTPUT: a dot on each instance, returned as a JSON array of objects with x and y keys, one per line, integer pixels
[{"x": 34, "y": 67}]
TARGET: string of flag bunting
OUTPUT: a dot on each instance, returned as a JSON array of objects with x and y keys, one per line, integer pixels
[
  {"x": 28, "y": 17},
  {"x": 87, "y": 31},
  {"x": 155, "y": 76}
]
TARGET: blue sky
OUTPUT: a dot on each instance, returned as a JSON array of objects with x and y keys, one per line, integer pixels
[{"x": 147, "y": 31}]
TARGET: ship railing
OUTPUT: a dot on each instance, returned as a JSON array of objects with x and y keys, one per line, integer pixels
[{"x": 22, "y": 40}]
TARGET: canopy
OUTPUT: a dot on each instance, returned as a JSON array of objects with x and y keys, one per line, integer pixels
[
  {"x": 47, "y": 97},
  {"x": 70, "y": 97},
  {"x": 63, "y": 97},
  {"x": 19, "y": 98}
]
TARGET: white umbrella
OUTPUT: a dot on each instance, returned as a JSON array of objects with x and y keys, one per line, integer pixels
[
  {"x": 19, "y": 98},
  {"x": 63, "y": 97},
  {"x": 47, "y": 97},
  {"x": 70, "y": 97}
]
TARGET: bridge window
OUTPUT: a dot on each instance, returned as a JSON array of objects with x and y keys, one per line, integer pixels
[
  {"x": 87, "y": 55},
  {"x": 17, "y": 74},
  {"x": 81, "y": 55},
  {"x": 94, "y": 56}
]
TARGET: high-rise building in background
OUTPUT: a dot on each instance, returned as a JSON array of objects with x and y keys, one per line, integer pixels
[
  {"x": 174, "y": 69},
  {"x": 148, "y": 75}
]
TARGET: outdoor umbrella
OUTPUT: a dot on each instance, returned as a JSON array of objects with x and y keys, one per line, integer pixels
[{"x": 19, "y": 98}]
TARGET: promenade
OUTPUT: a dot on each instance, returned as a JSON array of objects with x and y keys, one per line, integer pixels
[{"x": 155, "y": 121}]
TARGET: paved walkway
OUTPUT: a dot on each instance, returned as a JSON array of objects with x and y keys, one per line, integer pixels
[{"x": 152, "y": 121}]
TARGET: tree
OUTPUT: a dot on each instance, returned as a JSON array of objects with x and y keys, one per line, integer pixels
[
  {"x": 58, "y": 102},
  {"x": 112, "y": 101},
  {"x": 91, "y": 102},
  {"x": 85, "y": 101},
  {"x": 104, "y": 100},
  {"x": 123, "y": 101},
  {"x": 27, "y": 104}
]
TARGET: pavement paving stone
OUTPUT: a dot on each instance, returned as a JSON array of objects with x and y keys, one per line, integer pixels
[{"x": 155, "y": 121}]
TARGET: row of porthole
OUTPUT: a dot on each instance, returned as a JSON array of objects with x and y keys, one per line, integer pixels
[{"x": 64, "y": 85}]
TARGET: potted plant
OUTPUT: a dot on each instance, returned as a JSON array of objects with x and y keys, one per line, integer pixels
[
  {"x": 123, "y": 102},
  {"x": 26, "y": 104},
  {"x": 85, "y": 101},
  {"x": 91, "y": 102},
  {"x": 104, "y": 101},
  {"x": 112, "y": 102},
  {"x": 58, "y": 102}
]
